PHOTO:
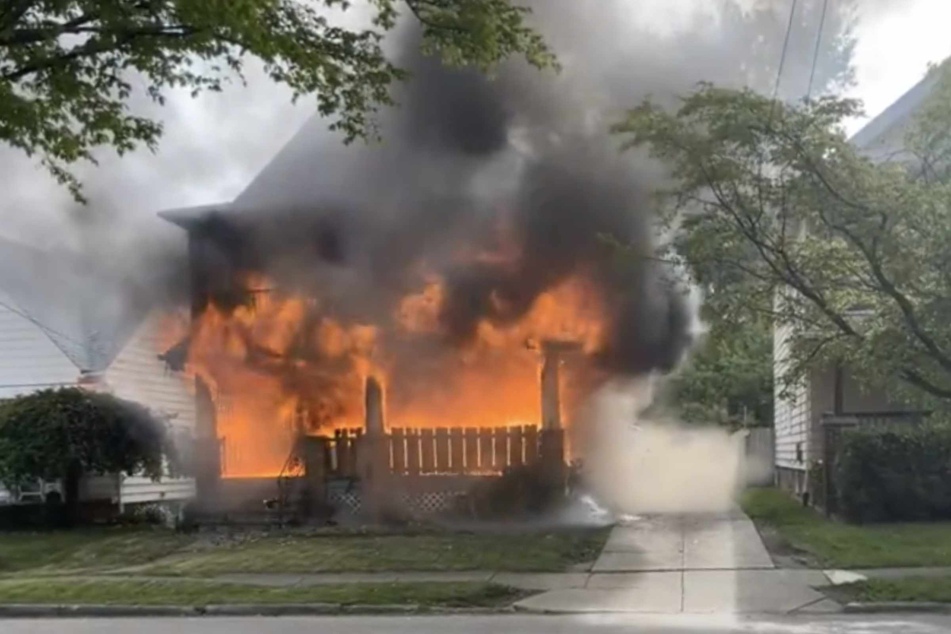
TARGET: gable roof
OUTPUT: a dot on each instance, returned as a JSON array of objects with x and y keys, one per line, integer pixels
[
  {"x": 898, "y": 114},
  {"x": 82, "y": 311}
]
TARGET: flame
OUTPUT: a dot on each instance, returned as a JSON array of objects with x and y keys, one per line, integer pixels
[{"x": 282, "y": 365}]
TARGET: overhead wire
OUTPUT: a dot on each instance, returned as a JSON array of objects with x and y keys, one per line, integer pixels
[
  {"x": 785, "y": 53},
  {"x": 815, "y": 54},
  {"x": 36, "y": 322}
]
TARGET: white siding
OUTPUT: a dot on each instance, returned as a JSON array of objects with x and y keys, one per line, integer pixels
[
  {"x": 791, "y": 415},
  {"x": 29, "y": 360},
  {"x": 139, "y": 489},
  {"x": 890, "y": 145},
  {"x": 137, "y": 374},
  {"x": 99, "y": 487}
]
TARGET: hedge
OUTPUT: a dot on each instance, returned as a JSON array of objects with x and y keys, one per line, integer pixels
[{"x": 892, "y": 474}]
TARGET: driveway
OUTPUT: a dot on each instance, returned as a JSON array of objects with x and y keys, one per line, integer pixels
[{"x": 693, "y": 564}]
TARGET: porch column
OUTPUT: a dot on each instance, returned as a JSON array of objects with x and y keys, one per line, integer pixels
[
  {"x": 207, "y": 451},
  {"x": 550, "y": 389},
  {"x": 374, "y": 453},
  {"x": 314, "y": 455},
  {"x": 375, "y": 425},
  {"x": 552, "y": 437}
]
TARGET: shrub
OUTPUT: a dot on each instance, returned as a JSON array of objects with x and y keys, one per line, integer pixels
[
  {"x": 887, "y": 474},
  {"x": 67, "y": 433}
]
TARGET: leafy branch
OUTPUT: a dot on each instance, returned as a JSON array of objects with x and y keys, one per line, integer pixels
[{"x": 67, "y": 67}]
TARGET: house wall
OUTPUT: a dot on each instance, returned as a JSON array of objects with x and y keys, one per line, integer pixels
[
  {"x": 790, "y": 419},
  {"x": 137, "y": 374},
  {"x": 29, "y": 360},
  {"x": 889, "y": 145},
  {"x": 856, "y": 399}
]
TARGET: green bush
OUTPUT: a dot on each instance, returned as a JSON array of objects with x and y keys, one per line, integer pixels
[
  {"x": 890, "y": 474},
  {"x": 67, "y": 433}
]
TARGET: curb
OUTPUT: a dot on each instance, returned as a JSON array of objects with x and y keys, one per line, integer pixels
[
  {"x": 30, "y": 611},
  {"x": 897, "y": 606}
]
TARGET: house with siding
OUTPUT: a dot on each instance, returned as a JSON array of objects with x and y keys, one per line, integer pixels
[
  {"x": 65, "y": 325},
  {"x": 798, "y": 411}
]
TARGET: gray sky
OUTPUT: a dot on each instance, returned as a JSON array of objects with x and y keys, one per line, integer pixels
[{"x": 215, "y": 144}]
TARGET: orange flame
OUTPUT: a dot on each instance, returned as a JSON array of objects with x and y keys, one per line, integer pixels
[{"x": 279, "y": 367}]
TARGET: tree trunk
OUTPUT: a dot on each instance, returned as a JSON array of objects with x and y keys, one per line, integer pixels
[{"x": 74, "y": 474}]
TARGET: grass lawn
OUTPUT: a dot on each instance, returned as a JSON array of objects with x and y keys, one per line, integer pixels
[
  {"x": 197, "y": 593},
  {"x": 160, "y": 552},
  {"x": 833, "y": 544},
  {"x": 86, "y": 549},
  {"x": 930, "y": 589},
  {"x": 516, "y": 552}
]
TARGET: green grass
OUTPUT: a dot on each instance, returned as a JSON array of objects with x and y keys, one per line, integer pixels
[
  {"x": 197, "y": 593},
  {"x": 912, "y": 589},
  {"x": 517, "y": 552},
  {"x": 88, "y": 549},
  {"x": 832, "y": 544},
  {"x": 161, "y": 552}
]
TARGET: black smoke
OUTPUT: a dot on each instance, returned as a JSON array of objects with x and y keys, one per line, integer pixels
[
  {"x": 464, "y": 154},
  {"x": 461, "y": 157}
]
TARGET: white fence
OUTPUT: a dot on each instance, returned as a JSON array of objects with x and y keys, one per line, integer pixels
[{"x": 760, "y": 456}]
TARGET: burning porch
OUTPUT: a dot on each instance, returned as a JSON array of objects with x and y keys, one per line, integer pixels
[
  {"x": 446, "y": 264},
  {"x": 295, "y": 393}
]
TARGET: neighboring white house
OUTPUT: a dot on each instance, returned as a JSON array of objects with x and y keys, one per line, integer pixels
[
  {"x": 797, "y": 419},
  {"x": 63, "y": 325}
]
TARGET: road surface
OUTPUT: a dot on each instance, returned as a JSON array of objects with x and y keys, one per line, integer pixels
[{"x": 516, "y": 624}]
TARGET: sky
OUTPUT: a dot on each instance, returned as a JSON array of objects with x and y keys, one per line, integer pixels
[
  {"x": 895, "y": 49},
  {"x": 215, "y": 144}
]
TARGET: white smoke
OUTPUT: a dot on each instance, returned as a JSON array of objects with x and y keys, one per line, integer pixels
[{"x": 637, "y": 464}]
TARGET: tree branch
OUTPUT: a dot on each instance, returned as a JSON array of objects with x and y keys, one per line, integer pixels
[
  {"x": 869, "y": 254},
  {"x": 915, "y": 378},
  {"x": 13, "y": 13},
  {"x": 23, "y": 36},
  {"x": 98, "y": 46}
]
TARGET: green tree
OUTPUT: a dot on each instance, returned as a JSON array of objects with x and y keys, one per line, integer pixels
[
  {"x": 849, "y": 251},
  {"x": 69, "y": 67},
  {"x": 729, "y": 379},
  {"x": 64, "y": 434}
]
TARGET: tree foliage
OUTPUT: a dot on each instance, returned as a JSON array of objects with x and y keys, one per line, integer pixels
[
  {"x": 729, "y": 379},
  {"x": 848, "y": 249},
  {"x": 56, "y": 434},
  {"x": 68, "y": 68}
]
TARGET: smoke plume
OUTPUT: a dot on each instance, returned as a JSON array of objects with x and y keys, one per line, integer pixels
[
  {"x": 615, "y": 52},
  {"x": 527, "y": 152}
]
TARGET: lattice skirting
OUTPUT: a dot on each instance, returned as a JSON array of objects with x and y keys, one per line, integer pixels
[
  {"x": 345, "y": 501},
  {"x": 431, "y": 502},
  {"x": 416, "y": 504}
]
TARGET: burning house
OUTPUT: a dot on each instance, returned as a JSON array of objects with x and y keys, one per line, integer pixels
[{"x": 457, "y": 266}]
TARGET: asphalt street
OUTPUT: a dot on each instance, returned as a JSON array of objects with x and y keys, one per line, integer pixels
[{"x": 515, "y": 624}]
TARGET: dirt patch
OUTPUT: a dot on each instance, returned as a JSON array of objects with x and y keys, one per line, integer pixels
[{"x": 783, "y": 554}]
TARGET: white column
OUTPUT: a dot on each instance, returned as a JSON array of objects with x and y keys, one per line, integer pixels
[
  {"x": 550, "y": 389},
  {"x": 375, "y": 425}
]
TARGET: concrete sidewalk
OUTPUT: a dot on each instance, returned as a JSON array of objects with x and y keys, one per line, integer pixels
[{"x": 688, "y": 564}]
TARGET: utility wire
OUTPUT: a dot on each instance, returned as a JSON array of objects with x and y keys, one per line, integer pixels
[
  {"x": 815, "y": 55},
  {"x": 46, "y": 329},
  {"x": 782, "y": 59}
]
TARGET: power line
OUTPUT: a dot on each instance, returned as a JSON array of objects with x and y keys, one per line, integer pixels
[
  {"x": 782, "y": 59},
  {"x": 815, "y": 55},
  {"x": 36, "y": 322}
]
